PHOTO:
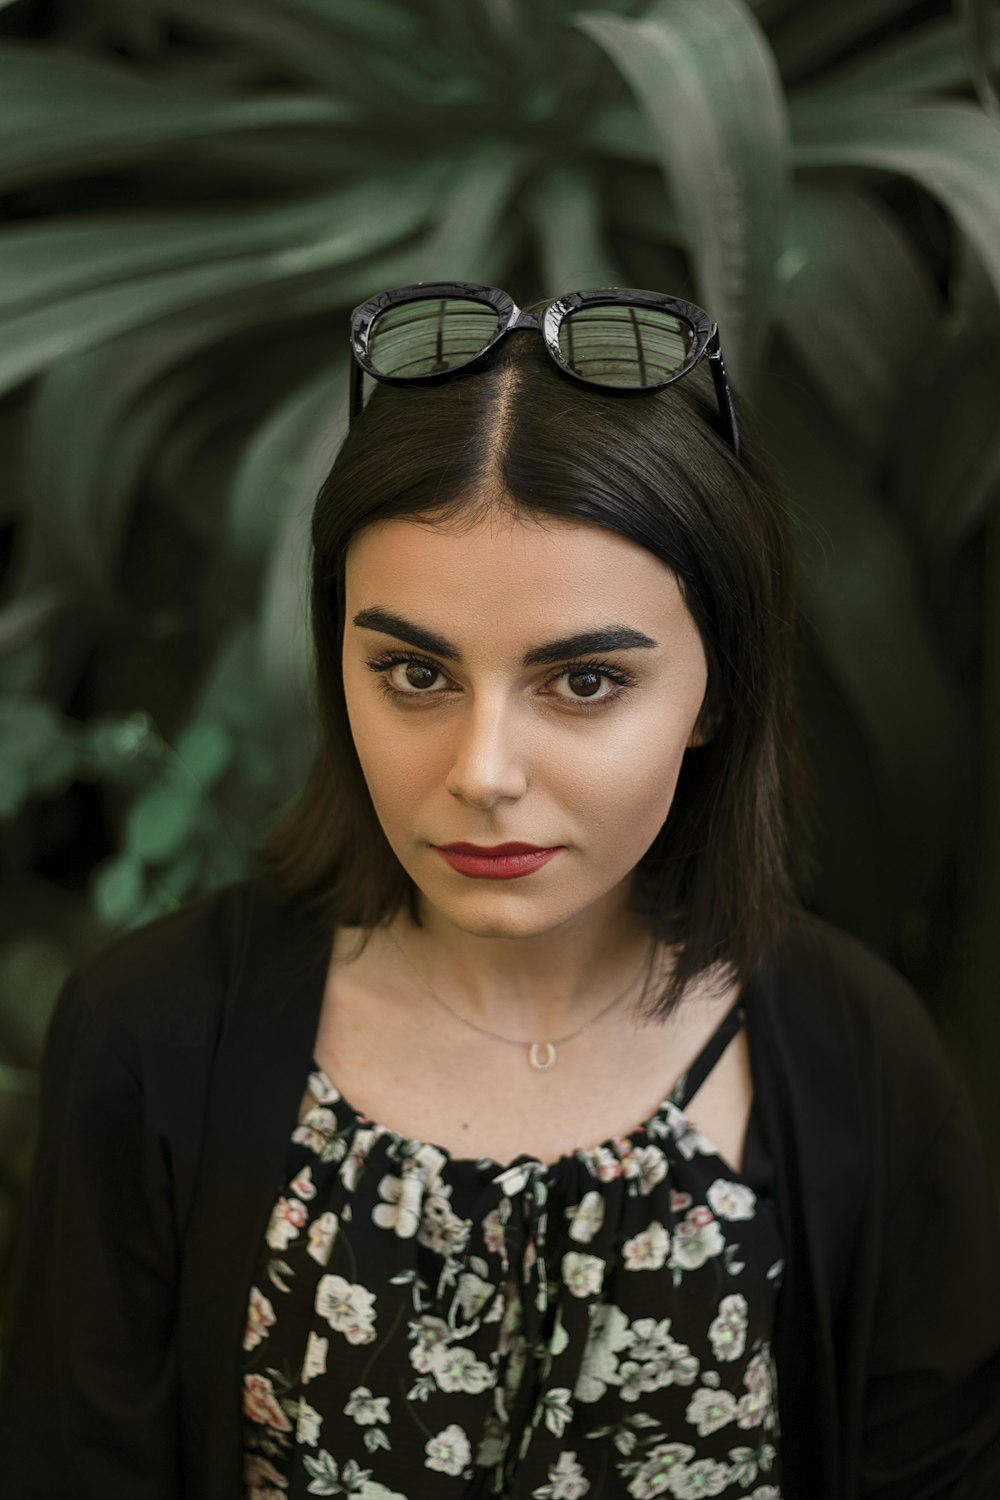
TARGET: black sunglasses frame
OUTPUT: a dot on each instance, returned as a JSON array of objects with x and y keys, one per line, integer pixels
[{"x": 548, "y": 320}]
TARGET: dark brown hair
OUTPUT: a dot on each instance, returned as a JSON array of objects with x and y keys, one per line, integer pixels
[{"x": 716, "y": 882}]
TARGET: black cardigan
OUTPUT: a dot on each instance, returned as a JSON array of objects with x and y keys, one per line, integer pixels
[{"x": 175, "y": 1065}]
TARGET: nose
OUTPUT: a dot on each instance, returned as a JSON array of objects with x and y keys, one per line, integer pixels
[{"x": 488, "y": 764}]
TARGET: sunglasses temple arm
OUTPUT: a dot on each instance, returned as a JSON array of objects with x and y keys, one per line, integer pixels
[
  {"x": 357, "y": 382},
  {"x": 724, "y": 393}
]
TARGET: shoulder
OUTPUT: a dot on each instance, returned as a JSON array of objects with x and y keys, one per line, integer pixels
[
  {"x": 840, "y": 1015},
  {"x": 169, "y": 982}
]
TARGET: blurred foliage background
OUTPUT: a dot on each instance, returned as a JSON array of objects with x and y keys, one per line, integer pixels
[{"x": 194, "y": 194}]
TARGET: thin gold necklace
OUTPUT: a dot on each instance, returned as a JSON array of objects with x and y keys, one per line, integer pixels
[{"x": 541, "y": 1055}]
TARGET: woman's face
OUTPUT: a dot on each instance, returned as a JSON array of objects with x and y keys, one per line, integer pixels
[{"x": 478, "y": 719}]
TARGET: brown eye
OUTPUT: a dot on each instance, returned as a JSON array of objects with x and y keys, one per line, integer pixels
[
  {"x": 417, "y": 675},
  {"x": 585, "y": 684}
]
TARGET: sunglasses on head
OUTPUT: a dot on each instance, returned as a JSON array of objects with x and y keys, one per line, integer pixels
[{"x": 613, "y": 340}]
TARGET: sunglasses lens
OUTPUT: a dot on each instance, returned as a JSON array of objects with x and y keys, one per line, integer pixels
[
  {"x": 621, "y": 344},
  {"x": 431, "y": 336}
]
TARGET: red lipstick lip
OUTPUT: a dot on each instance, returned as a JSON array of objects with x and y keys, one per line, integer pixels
[{"x": 497, "y": 850}]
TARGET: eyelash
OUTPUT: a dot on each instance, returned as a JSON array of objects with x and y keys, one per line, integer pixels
[{"x": 622, "y": 678}]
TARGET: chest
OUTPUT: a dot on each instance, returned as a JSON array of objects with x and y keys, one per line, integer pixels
[{"x": 435, "y": 1081}]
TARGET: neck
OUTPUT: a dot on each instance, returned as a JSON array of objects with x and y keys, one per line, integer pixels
[{"x": 538, "y": 986}]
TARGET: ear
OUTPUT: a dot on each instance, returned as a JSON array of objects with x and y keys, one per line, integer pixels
[{"x": 704, "y": 730}]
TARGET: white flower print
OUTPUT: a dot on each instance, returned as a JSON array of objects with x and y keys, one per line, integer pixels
[
  {"x": 314, "y": 1362},
  {"x": 303, "y": 1185},
  {"x": 637, "y": 1380},
  {"x": 316, "y": 1129},
  {"x": 757, "y": 1405},
  {"x": 287, "y": 1218},
  {"x": 449, "y": 1452},
  {"x": 260, "y": 1317},
  {"x": 608, "y": 1335},
  {"x": 732, "y": 1200},
  {"x": 606, "y": 1164},
  {"x": 322, "y": 1233},
  {"x": 349, "y": 1309},
  {"x": 493, "y": 1233},
  {"x": 765, "y": 1492},
  {"x": 441, "y": 1230},
  {"x": 372, "y": 1490},
  {"x": 459, "y": 1370},
  {"x": 690, "y": 1142},
  {"x": 355, "y": 1159},
  {"x": 649, "y": 1338},
  {"x": 307, "y": 1427},
  {"x": 261, "y": 1405},
  {"x": 648, "y": 1250},
  {"x": 709, "y": 1410},
  {"x": 583, "y": 1274},
  {"x": 557, "y": 1405},
  {"x": 661, "y": 1462},
  {"x": 472, "y": 1295},
  {"x": 401, "y": 1209},
  {"x": 586, "y": 1218},
  {"x": 429, "y": 1161},
  {"x": 653, "y": 1166},
  {"x": 513, "y": 1180},
  {"x": 566, "y": 1481},
  {"x": 728, "y": 1332},
  {"x": 365, "y": 1408},
  {"x": 492, "y": 1444},
  {"x": 703, "y": 1477},
  {"x": 696, "y": 1240},
  {"x": 758, "y": 1374},
  {"x": 429, "y": 1334},
  {"x": 261, "y": 1478},
  {"x": 655, "y": 1359}
]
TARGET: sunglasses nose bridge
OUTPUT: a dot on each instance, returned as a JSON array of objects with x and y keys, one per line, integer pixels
[{"x": 529, "y": 318}]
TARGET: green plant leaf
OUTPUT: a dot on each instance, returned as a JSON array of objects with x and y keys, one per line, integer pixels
[
  {"x": 946, "y": 473},
  {"x": 163, "y": 818},
  {"x": 469, "y": 239},
  {"x": 362, "y": 220},
  {"x": 808, "y": 36},
  {"x": 952, "y": 149},
  {"x": 118, "y": 889},
  {"x": 980, "y": 27},
  {"x": 25, "y": 618},
  {"x": 705, "y": 80},
  {"x": 929, "y": 59},
  {"x": 52, "y": 258},
  {"x": 862, "y": 598},
  {"x": 280, "y": 467},
  {"x": 618, "y": 130},
  {"x": 857, "y": 304},
  {"x": 206, "y": 751},
  {"x": 565, "y": 215},
  {"x": 63, "y": 113}
]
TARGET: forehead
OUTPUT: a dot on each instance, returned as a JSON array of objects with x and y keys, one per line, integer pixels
[{"x": 511, "y": 574}]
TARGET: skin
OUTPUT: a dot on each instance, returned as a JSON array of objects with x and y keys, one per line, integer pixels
[{"x": 487, "y": 750}]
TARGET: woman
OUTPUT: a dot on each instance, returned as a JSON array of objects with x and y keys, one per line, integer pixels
[{"x": 513, "y": 1133}]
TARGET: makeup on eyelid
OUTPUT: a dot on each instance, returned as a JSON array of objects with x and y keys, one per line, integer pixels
[{"x": 620, "y": 676}]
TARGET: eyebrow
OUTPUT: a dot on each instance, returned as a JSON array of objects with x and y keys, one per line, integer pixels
[{"x": 601, "y": 638}]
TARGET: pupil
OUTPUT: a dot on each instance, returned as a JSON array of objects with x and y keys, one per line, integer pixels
[
  {"x": 591, "y": 677},
  {"x": 413, "y": 669}
]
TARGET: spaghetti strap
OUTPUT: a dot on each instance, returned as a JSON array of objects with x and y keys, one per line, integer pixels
[{"x": 691, "y": 1081}]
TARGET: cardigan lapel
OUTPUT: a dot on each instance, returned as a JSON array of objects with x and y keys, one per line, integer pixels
[{"x": 275, "y": 989}]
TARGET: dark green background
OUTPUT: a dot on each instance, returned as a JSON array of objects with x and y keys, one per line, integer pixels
[{"x": 196, "y": 192}]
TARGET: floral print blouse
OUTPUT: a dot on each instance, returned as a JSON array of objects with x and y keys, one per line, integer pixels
[{"x": 593, "y": 1329}]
